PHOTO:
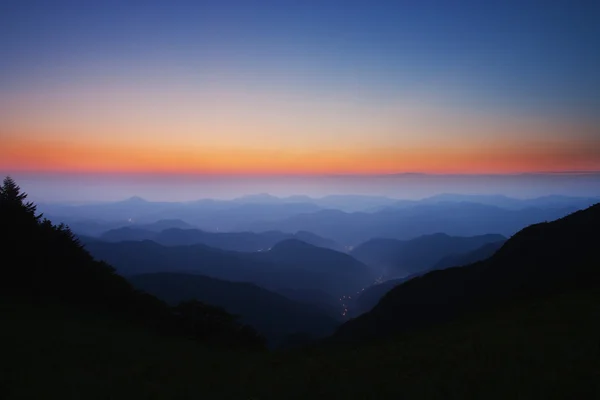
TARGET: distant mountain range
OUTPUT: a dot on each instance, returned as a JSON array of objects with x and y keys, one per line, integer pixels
[
  {"x": 347, "y": 219},
  {"x": 501, "y": 201},
  {"x": 318, "y": 260},
  {"x": 542, "y": 259},
  {"x": 236, "y": 241},
  {"x": 398, "y": 258},
  {"x": 452, "y": 218},
  {"x": 289, "y": 265},
  {"x": 210, "y": 215},
  {"x": 348, "y": 203}
]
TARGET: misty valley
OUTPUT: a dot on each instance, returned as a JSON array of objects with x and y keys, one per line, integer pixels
[{"x": 298, "y": 247}]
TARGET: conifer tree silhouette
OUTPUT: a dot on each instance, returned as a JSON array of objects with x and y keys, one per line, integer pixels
[
  {"x": 12, "y": 199},
  {"x": 47, "y": 262}
]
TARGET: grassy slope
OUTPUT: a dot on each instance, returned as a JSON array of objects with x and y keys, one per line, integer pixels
[
  {"x": 50, "y": 351},
  {"x": 545, "y": 349}
]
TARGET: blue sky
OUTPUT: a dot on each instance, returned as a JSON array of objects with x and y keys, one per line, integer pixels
[
  {"x": 299, "y": 87},
  {"x": 531, "y": 54}
]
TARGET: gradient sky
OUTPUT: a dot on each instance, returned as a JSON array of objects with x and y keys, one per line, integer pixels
[{"x": 299, "y": 87}]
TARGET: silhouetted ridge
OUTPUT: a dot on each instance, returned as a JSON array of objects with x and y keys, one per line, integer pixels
[
  {"x": 49, "y": 264},
  {"x": 408, "y": 222},
  {"x": 316, "y": 258},
  {"x": 542, "y": 259},
  {"x": 310, "y": 268},
  {"x": 126, "y": 234},
  {"x": 371, "y": 296},
  {"x": 482, "y": 253},
  {"x": 236, "y": 241},
  {"x": 135, "y": 199},
  {"x": 398, "y": 258},
  {"x": 327, "y": 270},
  {"x": 272, "y": 314},
  {"x": 163, "y": 224}
]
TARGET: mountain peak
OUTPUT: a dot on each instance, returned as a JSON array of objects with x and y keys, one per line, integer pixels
[
  {"x": 258, "y": 198},
  {"x": 135, "y": 199}
]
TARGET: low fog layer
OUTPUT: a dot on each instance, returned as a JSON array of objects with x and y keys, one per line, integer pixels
[{"x": 61, "y": 188}]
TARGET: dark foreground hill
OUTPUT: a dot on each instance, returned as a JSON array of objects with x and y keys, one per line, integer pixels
[
  {"x": 371, "y": 295},
  {"x": 545, "y": 349},
  {"x": 273, "y": 315},
  {"x": 45, "y": 263},
  {"x": 542, "y": 259}
]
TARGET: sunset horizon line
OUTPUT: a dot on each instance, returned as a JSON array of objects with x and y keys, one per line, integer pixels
[{"x": 161, "y": 173}]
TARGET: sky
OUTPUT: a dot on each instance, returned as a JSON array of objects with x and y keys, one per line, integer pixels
[{"x": 298, "y": 88}]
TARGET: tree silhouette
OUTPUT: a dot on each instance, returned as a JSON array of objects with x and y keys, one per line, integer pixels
[
  {"x": 47, "y": 262},
  {"x": 12, "y": 199}
]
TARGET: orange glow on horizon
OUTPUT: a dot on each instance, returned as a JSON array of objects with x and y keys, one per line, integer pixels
[
  {"x": 36, "y": 156},
  {"x": 116, "y": 129}
]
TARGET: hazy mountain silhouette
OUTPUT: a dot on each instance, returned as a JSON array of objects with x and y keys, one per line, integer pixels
[
  {"x": 347, "y": 219},
  {"x": 136, "y": 200},
  {"x": 356, "y": 203},
  {"x": 298, "y": 267},
  {"x": 211, "y": 215},
  {"x": 237, "y": 218},
  {"x": 397, "y": 258},
  {"x": 133, "y": 209},
  {"x": 127, "y": 234},
  {"x": 349, "y": 203},
  {"x": 120, "y": 230},
  {"x": 310, "y": 257},
  {"x": 455, "y": 219},
  {"x": 482, "y": 253},
  {"x": 352, "y": 203},
  {"x": 163, "y": 224},
  {"x": 319, "y": 241},
  {"x": 263, "y": 198},
  {"x": 272, "y": 314},
  {"x": 542, "y": 259},
  {"x": 553, "y": 201},
  {"x": 369, "y": 298},
  {"x": 236, "y": 241}
]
